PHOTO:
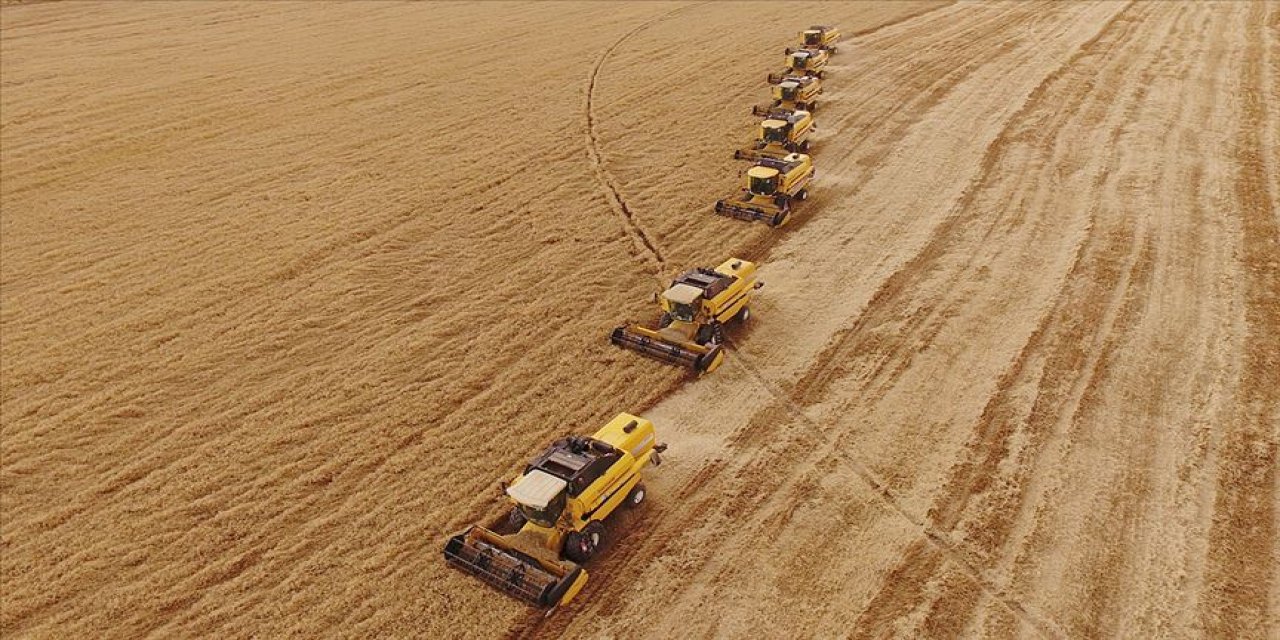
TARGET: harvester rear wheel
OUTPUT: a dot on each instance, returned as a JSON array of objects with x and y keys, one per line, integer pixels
[
  {"x": 802, "y": 195},
  {"x": 744, "y": 315},
  {"x": 636, "y": 496}
]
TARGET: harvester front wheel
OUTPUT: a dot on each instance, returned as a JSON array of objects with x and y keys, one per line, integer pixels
[
  {"x": 516, "y": 519},
  {"x": 703, "y": 335},
  {"x": 579, "y": 546},
  {"x": 636, "y": 496},
  {"x": 780, "y": 218}
]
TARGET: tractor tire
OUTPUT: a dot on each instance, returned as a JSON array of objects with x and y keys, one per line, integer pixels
[
  {"x": 780, "y": 218},
  {"x": 743, "y": 315},
  {"x": 516, "y": 519},
  {"x": 704, "y": 335},
  {"x": 636, "y": 497},
  {"x": 579, "y": 546},
  {"x": 802, "y": 195},
  {"x": 804, "y": 147}
]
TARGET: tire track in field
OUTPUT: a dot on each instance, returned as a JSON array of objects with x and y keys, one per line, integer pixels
[
  {"x": 881, "y": 489},
  {"x": 1120, "y": 254},
  {"x": 644, "y": 245},
  {"x": 1240, "y": 573}
]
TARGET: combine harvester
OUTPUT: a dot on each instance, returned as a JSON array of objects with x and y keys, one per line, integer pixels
[
  {"x": 695, "y": 309},
  {"x": 781, "y": 133},
  {"x": 560, "y": 502},
  {"x": 771, "y": 186},
  {"x": 819, "y": 38},
  {"x": 793, "y": 93},
  {"x": 802, "y": 62}
]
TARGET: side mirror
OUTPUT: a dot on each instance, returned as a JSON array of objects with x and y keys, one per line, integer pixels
[
  {"x": 502, "y": 487},
  {"x": 655, "y": 298},
  {"x": 759, "y": 284}
]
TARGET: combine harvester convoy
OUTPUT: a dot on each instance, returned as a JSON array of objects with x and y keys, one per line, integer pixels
[{"x": 563, "y": 496}]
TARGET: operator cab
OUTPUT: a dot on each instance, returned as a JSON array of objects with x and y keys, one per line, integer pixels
[
  {"x": 683, "y": 300},
  {"x": 813, "y": 36},
  {"x": 565, "y": 469},
  {"x": 800, "y": 59},
  {"x": 540, "y": 497},
  {"x": 762, "y": 180},
  {"x": 788, "y": 89},
  {"x": 775, "y": 130}
]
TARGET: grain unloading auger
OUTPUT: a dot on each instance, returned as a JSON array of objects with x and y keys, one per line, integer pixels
[
  {"x": 772, "y": 185},
  {"x": 560, "y": 502},
  {"x": 695, "y": 309},
  {"x": 794, "y": 92},
  {"x": 802, "y": 62}
]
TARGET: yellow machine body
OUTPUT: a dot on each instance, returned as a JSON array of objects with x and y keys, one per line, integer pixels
[
  {"x": 781, "y": 133},
  {"x": 802, "y": 62},
  {"x": 792, "y": 93},
  {"x": 560, "y": 501},
  {"x": 819, "y": 37},
  {"x": 695, "y": 309},
  {"x": 770, "y": 188}
]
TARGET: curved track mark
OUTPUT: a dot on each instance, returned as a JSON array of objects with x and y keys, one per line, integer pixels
[{"x": 644, "y": 244}]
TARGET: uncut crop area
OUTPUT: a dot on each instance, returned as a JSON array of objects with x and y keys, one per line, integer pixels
[{"x": 288, "y": 289}]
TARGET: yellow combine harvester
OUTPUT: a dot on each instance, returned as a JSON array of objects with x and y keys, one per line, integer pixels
[
  {"x": 802, "y": 62},
  {"x": 771, "y": 186},
  {"x": 695, "y": 309},
  {"x": 782, "y": 132},
  {"x": 793, "y": 93},
  {"x": 819, "y": 37},
  {"x": 560, "y": 502}
]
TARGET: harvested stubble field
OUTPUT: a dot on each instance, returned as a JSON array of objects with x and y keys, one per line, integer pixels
[{"x": 286, "y": 290}]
